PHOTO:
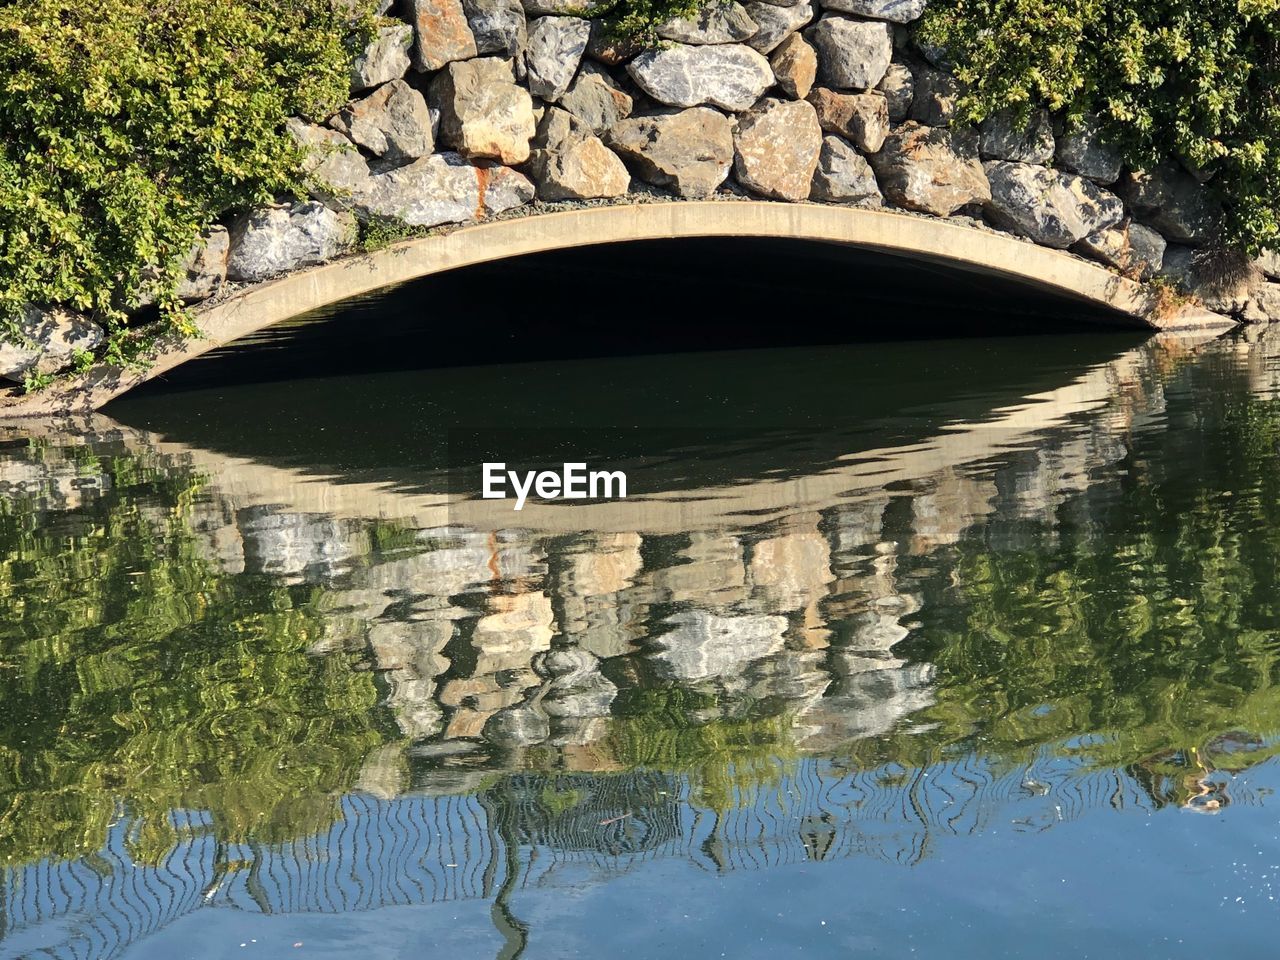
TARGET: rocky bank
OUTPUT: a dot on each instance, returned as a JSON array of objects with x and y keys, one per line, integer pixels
[{"x": 461, "y": 110}]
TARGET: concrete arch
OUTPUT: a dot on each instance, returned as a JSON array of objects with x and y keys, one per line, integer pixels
[{"x": 916, "y": 237}]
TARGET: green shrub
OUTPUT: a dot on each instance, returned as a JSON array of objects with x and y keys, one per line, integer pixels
[
  {"x": 127, "y": 125},
  {"x": 1184, "y": 80}
]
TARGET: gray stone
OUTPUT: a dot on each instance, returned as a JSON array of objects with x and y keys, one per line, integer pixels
[
  {"x": 729, "y": 75},
  {"x": 205, "y": 265},
  {"x": 1082, "y": 150},
  {"x": 844, "y": 176},
  {"x": 1173, "y": 202},
  {"x": 795, "y": 66},
  {"x": 895, "y": 11},
  {"x": 517, "y": 727},
  {"x": 441, "y": 33},
  {"x": 717, "y": 22},
  {"x": 775, "y": 22},
  {"x": 1221, "y": 280},
  {"x": 445, "y": 188},
  {"x": 1131, "y": 248},
  {"x": 776, "y": 147},
  {"x": 275, "y": 240},
  {"x": 1053, "y": 209},
  {"x": 333, "y": 166},
  {"x": 571, "y": 163},
  {"x": 703, "y": 645},
  {"x": 862, "y": 118},
  {"x": 577, "y": 688},
  {"x": 498, "y": 26},
  {"x": 1269, "y": 264},
  {"x": 484, "y": 113},
  {"x": 689, "y": 151},
  {"x": 1263, "y": 305},
  {"x": 392, "y": 122},
  {"x": 555, "y": 49},
  {"x": 934, "y": 103},
  {"x": 572, "y": 8},
  {"x": 852, "y": 54},
  {"x": 385, "y": 58},
  {"x": 899, "y": 89},
  {"x": 1005, "y": 136},
  {"x": 931, "y": 170},
  {"x": 595, "y": 98},
  {"x": 50, "y": 339}
]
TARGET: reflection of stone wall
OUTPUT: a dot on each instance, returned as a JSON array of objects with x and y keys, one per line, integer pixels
[{"x": 487, "y": 645}]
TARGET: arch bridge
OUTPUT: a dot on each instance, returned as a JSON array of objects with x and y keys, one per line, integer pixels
[{"x": 1096, "y": 291}]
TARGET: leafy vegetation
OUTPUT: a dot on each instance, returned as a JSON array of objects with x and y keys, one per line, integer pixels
[
  {"x": 126, "y": 126},
  {"x": 133, "y": 668},
  {"x": 1176, "y": 80}
]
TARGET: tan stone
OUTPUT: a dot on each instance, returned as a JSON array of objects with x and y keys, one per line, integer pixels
[
  {"x": 795, "y": 65},
  {"x": 776, "y": 148},
  {"x": 689, "y": 151},
  {"x": 484, "y": 113},
  {"x": 861, "y": 118},
  {"x": 441, "y": 33}
]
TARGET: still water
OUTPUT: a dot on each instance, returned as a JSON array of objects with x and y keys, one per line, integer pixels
[{"x": 940, "y": 649}]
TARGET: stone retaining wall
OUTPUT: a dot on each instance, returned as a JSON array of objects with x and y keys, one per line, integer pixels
[{"x": 462, "y": 110}]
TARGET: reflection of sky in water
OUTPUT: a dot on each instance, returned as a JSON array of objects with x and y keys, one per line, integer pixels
[{"x": 966, "y": 694}]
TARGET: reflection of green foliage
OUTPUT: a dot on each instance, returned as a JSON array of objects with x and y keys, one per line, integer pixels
[
  {"x": 557, "y": 801},
  {"x": 1154, "y": 624},
  {"x": 133, "y": 670},
  {"x": 726, "y": 759}
]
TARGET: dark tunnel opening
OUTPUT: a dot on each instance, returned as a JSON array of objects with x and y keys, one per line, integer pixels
[{"x": 645, "y": 297}]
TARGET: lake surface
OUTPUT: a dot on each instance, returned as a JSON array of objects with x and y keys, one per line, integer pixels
[{"x": 951, "y": 648}]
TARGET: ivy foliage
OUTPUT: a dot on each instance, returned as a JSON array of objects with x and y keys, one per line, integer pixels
[
  {"x": 127, "y": 125},
  {"x": 1180, "y": 80}
]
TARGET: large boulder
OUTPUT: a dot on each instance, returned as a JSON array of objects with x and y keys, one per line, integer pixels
[
  {"x": 795, "y": 66},
  {"x": 1173, "y": 202},
  {"x": 862, "y": 118},
  {"x": 385, "y": 58},
  {"x": 1052, "y": 208},
  {"x": 852, "y": 54},
  {"x": 1129, "y": 247},
  {"x": 555, "y": 49},
  {"x": 393, "y": 122},
  {"x": 1082, "y": 150},
  {"x": 931, "y": 170},
  {"x": 48, "y": 341},
  {"x": 445, "y": 188},
  {"x": 484, "y": 113},
  {"x": 205, "y": 266},
  {"x": 895, "y": 11},
  {"x": 498, "y": 26},
  {"x": 595, "y": 98},
  {"x": 844, "y": 176},
  {"x": 717, "y": 22},
  {"x": 774, "y": 23},
  {"x": 899, "y": 89},
  {"x": 441, "y": 33},
  {"x": 572, "y": 163},
  {"x": 689, "y": 151},
  {"x": 775, "y": 149},
  {"x": 730, "y": 76},
  {"x": 275, "y": 240},
  {"x": 1006, "y": 136}
]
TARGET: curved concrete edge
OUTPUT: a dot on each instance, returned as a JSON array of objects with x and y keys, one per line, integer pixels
[{"x": 915, "y": 237}]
